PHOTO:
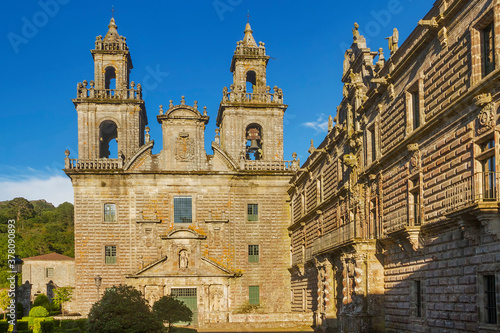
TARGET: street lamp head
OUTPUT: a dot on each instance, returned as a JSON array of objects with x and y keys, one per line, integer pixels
[
  {"x": 18, "y": 265},
  {"x": 98, "y": 280}
]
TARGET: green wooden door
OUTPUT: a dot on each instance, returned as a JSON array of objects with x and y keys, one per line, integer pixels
[{"x": 188, "y": 296}]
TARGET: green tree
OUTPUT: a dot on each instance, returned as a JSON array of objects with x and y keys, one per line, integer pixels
[
  {"x": 4, "y": 301},
  {"x": 122, "y": 309},
  {"x": 62, "y": 295},
  {"x": 172, "y": 310}
]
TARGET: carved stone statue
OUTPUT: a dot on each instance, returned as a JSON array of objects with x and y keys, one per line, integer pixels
[
  {"x": 183, "y": 259},
  {"x": 394, "y": 41}
]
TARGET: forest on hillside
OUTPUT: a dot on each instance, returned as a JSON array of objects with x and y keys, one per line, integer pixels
[{"x": 41, "y": 228}]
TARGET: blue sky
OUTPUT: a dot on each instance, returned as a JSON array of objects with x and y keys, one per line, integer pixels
[{"x": 177, "y": 48}]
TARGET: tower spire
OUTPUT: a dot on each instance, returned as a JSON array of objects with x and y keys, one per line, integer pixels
[
  {"x": 112, "y": 34},
  {"x": 248, "y": 40}
]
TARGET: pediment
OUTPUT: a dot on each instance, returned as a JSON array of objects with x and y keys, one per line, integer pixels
[
  {"x": 183, "y": 233},
  {"x": 167, "y": 267},
  {"x": 184, "y": 113}
]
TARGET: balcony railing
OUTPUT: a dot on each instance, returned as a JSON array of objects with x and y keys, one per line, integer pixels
[
  {"x": 407, "y": 215},
  {"x": 338, "y": 237},
  {"x": 93, "y": 164},
  {"x": 481, "y": 187}
]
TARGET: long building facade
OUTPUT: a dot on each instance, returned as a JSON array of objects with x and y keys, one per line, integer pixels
[
  {"x": 208, "y": 229},
  {"x": 391, "y": 225},
  {"x": 395, "y": 215}
]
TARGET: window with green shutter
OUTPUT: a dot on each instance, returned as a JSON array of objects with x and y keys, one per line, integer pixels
[
  {"x": 253, "y": 295},
  {"x": 253, "y": 253},
  {"x": 253, "y": 212},
  {"x": 110, "y": 254}
]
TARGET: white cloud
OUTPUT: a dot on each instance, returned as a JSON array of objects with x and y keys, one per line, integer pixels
[
  {"x": 320, "y": 125},
  {"x": 54, "y": 189}
]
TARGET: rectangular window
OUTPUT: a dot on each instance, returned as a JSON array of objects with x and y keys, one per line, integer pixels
[
  {"x": 418, "y": 298},
  {"x": 490, "y": 296},
  {"x": 49, "y": 272},
  {"x": 415, "y": 106},
  {"x": 109, "y": 213},
  {"x": 488, "y": 49},
  {"x": 319, "y": 190},
  {"x": 253, "y": 253},
  {"x": 416, "y": 204},
  {"x": 110, "y": 254},
  {"x": 253, "y": 295},
  {"x": 253, "y": 212},
  {"x": 183, "y": 210}
]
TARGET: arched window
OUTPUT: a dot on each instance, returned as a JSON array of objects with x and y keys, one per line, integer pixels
[
  {"x": 254, "y": 142},
  {"x": 110, "y": 78},
  {"x": 251, "y": 81},
  {"x": 108, "y": 133}
]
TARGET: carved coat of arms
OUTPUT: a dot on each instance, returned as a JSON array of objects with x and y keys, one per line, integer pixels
[{"x": 184, "y": 147}]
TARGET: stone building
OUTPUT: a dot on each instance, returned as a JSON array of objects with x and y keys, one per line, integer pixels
[
  {"x": 209, "y": 229},
  {"x": 46, "y": 272},
  {"x": 395, "y": 215}
]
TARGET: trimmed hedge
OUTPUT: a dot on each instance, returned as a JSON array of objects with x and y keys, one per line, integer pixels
[
  {"x": 4, "y": 326},
  {"x": 47, "y": 327},
  {"x": 22, "y": 325},
  {"x": 72, "y": 324},
  {"x": 73, "y": 330}
]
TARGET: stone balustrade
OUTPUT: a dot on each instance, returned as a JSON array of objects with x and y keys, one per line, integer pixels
[
  {"x": 250, "y": 51},
  {"x": 101, "y": 45},
  {"x": 244, "y": 97},
  {"x": 260, "y": 165},
  {"x": 119, "y": 94},
  {"x": 93, "y": 164}
]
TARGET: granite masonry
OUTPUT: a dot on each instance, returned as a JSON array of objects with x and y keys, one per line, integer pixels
[
  {"x": 391, "y": 225},
  {"x": 395, "y": 215},
  {"x": 209, "y": 229}
]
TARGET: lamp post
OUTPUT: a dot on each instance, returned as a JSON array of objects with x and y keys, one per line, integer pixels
[
  {"x": 18, "y": 268},
  {"x": 98, "y": 281}
]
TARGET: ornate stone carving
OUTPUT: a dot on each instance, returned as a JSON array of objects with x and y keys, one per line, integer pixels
[
  {"x": 184, "y": 148},
  {"x": 485, "y": 118}
]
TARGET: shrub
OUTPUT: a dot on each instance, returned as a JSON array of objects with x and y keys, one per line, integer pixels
[
  {"x": 39, "y": 311},
  {"x": 123, "y": 309},
  {"x": 73, "y": 330},
  {"x": 246, "y": 308},
  {"x": 171, "y": 310},
  {"x": 42, "y": 300}
]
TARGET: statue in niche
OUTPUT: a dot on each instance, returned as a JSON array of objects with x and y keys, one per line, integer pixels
[{"x": 183, "y": 259}]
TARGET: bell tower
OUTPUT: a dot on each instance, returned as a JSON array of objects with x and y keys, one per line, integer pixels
[
  {"x": 250, "y": 117},
  {"x": 111, "y": 112}
]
